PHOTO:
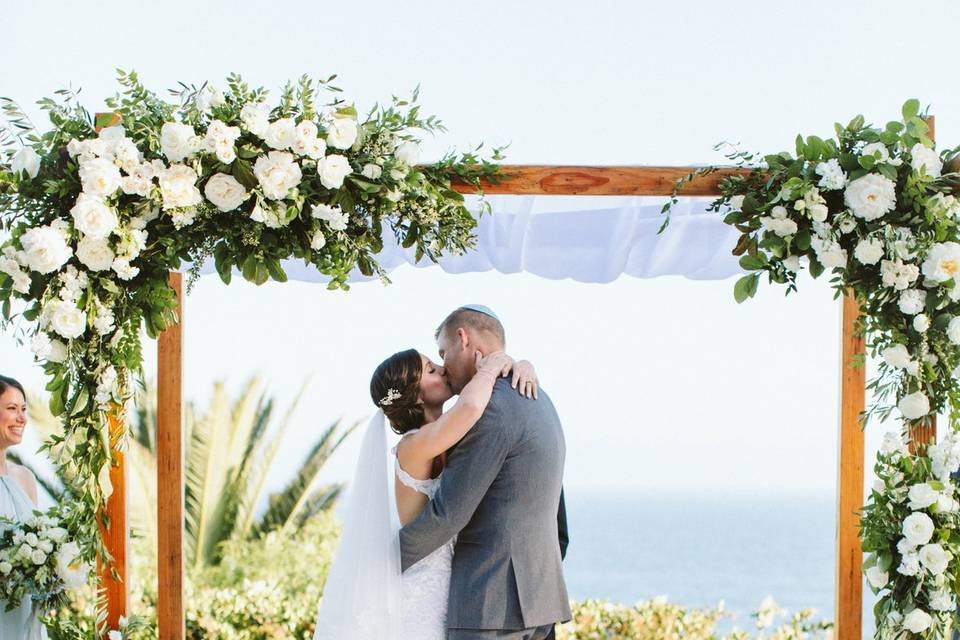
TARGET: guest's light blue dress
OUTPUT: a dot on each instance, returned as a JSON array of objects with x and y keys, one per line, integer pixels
[{"x": 22, "y": 623}]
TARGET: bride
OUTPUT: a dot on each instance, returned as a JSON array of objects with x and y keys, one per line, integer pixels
[{"x": 365, "y": 597}]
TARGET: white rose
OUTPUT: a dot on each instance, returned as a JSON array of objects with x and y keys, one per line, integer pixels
[
  {"x": 114, "y": 635},
  {"x": 318, "y": 149},
  {"x": 100, "y": 177},
  {"x": 935, "y": 558},
  {"x": 736, "y": 202},
  {"x": 372, "y": 171},
  {"x": 818, "y": 212},
  {"x": 95, "y": 253},
  {"x": 914, "y": 406},
  {"x": 178, "y": 186},
  {"x": 46, "y": 249},
  {"x": 255, "y": 118},
  {"x": 869, "y": 251},
  {"x": 876, "y": 149},
  {"x": 335, "y": 216},
  {"x": 26, "y": 159},
  {"x": 833, "y": 175},
  {"x": 121, "y": 266},
  {"x": 926, "y": 159},
  {"x": 5, "y": 567},
  {"x": 332, "y": 170},
  {"x": 877, "y": 577},
  {"x": 277, "y": 173},
  {"x": 319, "y": 241},
  {"x": 409, "y": 154},
  {"x": 66, "y": 319},
  {"x": 870, "y": 196},
  {"x": 93, "y": 216},
  {"x": 921, "y": 323},
  {"x": 70, "y": 569},
  {"x": 38, "y": 557},
  {"x": 281, "y": 134},
  {"x": 917, "y": 621},
  {"x": 912, "y": 301},
  {"x": 897, "y": 356},
  {"x": 922, "y": 496},
  {"x": 953, "y": 330},
  {"x": 832, "y": 256},
  {"x": 342, "y": 133},
  {"x": 58, "y": 352},
  {"x": 946, "y": 503},
  {"x": 177, "y": 141},
  {"x": 792, "y": 263},
  {"x": 941, "y": 600},
  {"x": 305, "y": 137},
  {"x": 225, "y": 192},
  {"x": 942, "y": 262}
]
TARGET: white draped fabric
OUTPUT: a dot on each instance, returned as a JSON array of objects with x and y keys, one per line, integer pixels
[{"x": 584, "y": 238}]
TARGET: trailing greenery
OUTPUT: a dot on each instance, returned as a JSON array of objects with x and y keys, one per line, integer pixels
[
  {"x": 95, "y": 221},
  {"x": 876, "y": 207}
]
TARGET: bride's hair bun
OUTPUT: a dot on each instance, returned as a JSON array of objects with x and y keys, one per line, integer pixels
[{"x": 395, "y": 388}]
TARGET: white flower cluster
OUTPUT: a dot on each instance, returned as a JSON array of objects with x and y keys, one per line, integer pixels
[
  {"x": 38, "y": 552},
  {"x": 933, "y": 506}
]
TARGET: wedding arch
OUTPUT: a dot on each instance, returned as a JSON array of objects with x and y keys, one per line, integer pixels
[{"x": 365, "y": 189}]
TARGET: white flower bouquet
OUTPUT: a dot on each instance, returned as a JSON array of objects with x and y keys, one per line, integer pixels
[{"x": 39, "y": 559}]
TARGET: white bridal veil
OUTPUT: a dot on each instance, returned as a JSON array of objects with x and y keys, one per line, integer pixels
[{"x": 361, "y": 600}]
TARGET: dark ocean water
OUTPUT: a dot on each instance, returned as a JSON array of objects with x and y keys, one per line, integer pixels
[{"x": 699, "y": 549}]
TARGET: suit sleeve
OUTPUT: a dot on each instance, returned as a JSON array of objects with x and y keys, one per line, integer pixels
[
  {"x": 562, "y": 533},
  {"x": 470, "y": 470}
]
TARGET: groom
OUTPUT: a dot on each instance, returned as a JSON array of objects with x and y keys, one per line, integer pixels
[{"x": 499, "y": 495}]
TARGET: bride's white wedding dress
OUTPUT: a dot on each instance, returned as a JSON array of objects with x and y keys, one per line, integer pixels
[
  {"x": 426, "y": 585},
  {"x": 365, "y": 596}
]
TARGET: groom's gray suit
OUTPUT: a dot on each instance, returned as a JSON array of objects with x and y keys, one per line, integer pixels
[{"x": 499, "y": 495}]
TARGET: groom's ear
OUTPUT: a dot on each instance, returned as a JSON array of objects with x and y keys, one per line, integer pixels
[{"x": 463, "y": 338}]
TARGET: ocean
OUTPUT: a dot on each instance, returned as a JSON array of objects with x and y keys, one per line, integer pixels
[{"x": 702, "y": 548}]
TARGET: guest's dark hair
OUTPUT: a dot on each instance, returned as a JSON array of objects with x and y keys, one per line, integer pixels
[
  {"x": 395, "y": 388},
  {"x": 6, "y": 383}
]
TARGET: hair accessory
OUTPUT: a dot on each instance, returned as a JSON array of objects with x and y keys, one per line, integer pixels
[{"x": 392, "y": 394}]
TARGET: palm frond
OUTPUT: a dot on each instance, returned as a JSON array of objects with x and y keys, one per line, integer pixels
[{"x": 287, "y": 507}]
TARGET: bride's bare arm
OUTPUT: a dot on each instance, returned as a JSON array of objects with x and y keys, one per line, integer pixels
[{"x": 435, "y": 438}]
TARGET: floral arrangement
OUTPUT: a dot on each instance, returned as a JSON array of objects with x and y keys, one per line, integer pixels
[
  {"x": 94, "y": 221},
  {"x": 39, "y": 559},
  {"x": 876, "y": 207}
]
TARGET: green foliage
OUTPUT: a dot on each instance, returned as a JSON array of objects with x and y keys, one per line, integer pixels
[{"x": 154, "y": 234}]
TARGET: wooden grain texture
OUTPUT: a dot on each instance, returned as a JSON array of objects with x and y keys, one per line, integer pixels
[
  {"x": 849, "y": 580},
  {"x": 113, "y": 576},
  {"x": 170, "y": 474},
  {"x": 601, "y": 181}
]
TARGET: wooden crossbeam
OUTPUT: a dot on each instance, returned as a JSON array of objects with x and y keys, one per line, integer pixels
[{"x": 601, "y": 181}]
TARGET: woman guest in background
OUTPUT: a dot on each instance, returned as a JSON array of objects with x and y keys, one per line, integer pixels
[{"x": 18, "y": 498}]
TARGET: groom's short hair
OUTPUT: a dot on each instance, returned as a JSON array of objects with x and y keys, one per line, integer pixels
[{"x": 476, "y": 320}]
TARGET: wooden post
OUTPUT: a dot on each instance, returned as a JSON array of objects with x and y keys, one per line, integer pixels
[
  {"x": 848, "y": 623},
  {"x": 113, "y": 576},
  {"x": 170, "y": 572}
]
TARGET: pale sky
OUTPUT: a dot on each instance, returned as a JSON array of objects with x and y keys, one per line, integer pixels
[{"x": 664, "y": 384}]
